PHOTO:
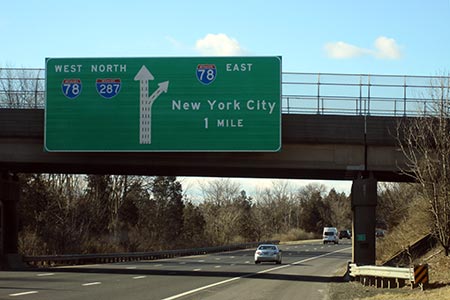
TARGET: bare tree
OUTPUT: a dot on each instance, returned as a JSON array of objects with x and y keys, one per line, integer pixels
[
  {"x": 21, "y": 88},
  {"x": 218, "y": 210},
  {"x": 425, "y": 143}
]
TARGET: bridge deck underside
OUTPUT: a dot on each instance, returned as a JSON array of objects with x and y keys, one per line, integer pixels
[{"x": 313, "y": 147}]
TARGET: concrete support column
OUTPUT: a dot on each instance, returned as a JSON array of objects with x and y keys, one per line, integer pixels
[
  {"x": 364, "y": 202},
  {"x": 9, "y": 196}
]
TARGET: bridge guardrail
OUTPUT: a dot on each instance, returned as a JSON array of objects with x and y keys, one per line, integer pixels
[
  {"x": 303, "y": 93},
  {"x": 389, "y": 277},
  {"x": 80, "y": 259}
]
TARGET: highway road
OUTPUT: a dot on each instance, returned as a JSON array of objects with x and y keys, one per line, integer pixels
[{"x": 305, "y": 273}]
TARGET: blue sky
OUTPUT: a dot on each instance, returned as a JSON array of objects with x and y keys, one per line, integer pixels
[{"x": 376, "y": 37}]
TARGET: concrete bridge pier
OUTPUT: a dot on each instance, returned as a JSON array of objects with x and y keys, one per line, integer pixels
[
  {"x": 364, "y": 203},
  {"x": 9, "y": 197}
]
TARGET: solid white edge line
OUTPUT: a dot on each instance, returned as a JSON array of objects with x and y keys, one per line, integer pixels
[
  {"x": 202, "y": 288},
  {"x": 249, "y": 275},
  {"x": 23, "y": 294}
]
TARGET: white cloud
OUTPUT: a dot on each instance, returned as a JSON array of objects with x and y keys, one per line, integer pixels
[
  {"x": 341, "y": 50},
  {"x": 385, "y": 48},
  {"x": 219, "y": 45}
]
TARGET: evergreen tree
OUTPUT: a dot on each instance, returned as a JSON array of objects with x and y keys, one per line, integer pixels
[
  {"x": 193, "y": 226},
  {"x": 168, "y": 195}
]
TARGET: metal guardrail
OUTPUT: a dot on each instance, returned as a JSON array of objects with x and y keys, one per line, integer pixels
[
  {"x": 303, "y": 93},
  {"x": 82, "y": 259},
  {"x": 389, "y": 277},
  {"x": 412, "y": 251}
]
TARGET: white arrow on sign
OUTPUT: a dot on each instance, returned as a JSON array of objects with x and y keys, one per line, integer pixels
[{"x": 146, "y": 102}]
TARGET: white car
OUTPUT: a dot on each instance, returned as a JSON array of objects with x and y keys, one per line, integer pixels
[{"x": 269, "y": 253}]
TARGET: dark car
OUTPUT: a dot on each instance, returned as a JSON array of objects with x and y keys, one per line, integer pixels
[
  {"x": 379, "y": 233},
  {"x": 345, "y": 234}
]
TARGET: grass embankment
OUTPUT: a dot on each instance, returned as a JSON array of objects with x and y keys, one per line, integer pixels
[{"x": 417, "y": 225}]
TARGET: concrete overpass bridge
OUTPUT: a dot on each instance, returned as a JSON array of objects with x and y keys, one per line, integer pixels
[
  {"x": 339, "y": 127},
  {"x": 313, "y": 147}
]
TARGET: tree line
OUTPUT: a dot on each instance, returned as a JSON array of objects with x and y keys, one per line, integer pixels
[
  {"x": 92, "y": 213},
  {"x": 60, "y": 213}
]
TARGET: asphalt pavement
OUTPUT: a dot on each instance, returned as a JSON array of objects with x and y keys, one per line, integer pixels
[{"x": 305, "y": 273}]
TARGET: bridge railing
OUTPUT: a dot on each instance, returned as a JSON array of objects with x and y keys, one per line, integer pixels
[
  {"x": 362, "y": 94},
  {"x": 303, "y": 93},
  {"x": 22, "y": 88}
]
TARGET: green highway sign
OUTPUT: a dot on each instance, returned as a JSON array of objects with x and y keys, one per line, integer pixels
[{"x": 163, "y": 104}]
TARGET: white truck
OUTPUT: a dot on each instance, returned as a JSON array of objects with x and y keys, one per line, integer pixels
[{"x": 330, "y": 235}]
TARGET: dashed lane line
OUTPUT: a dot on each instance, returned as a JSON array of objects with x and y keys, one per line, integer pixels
[
  {"x": 45, "y": 274},
  {"x": 23, "y": 293},
  {"x": 250, "y": 275},
  {"x": 91, "y": 283}
]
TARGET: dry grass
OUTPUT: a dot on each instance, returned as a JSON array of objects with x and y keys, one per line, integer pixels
[
  {"x": 439, "y": 288},
  {"x": 295, "y": 234},
  {"x": 436, "y": 294},
  {"x": 412, "y": 228},
  {"x": 418, "y": 224},
  {"x": 439, "y": 274}
]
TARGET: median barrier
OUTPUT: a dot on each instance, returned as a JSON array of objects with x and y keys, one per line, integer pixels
[{"x": 83, "y": 259}]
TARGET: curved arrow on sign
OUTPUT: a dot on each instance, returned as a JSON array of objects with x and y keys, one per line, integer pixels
[{"x": 146, "y": 102}]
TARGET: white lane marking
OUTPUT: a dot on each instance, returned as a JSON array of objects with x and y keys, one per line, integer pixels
[
  {"x": 80, "y": 266},
  {"x": 194, "y": 256},
  {"x": 218, "y": 267},
  {"x": 139, "y": 277},
  {"x": 250, "y": 275},
  {"x": 45, "y": 274},
  {"x": 158, "y": 265},
  {"x": 196, "y": 270},
  {"x": 91, "y": 283},
  {"x": 131, "y": 268},
  {"x": 23, "y": 294}
]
